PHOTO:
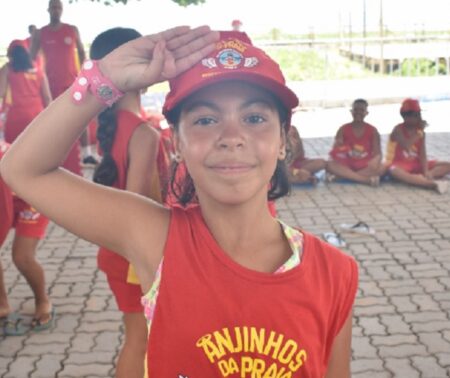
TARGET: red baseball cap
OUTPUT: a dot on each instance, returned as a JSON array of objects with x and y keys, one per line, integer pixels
[
  {"x": 410, "y": 105},
  {"x": 232, "y": 59}
]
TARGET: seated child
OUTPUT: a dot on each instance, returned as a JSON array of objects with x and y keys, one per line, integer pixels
[
  {"x": 356, "y": 154},
  {"x": 301, "y": 169},
  {"x": 406, "y": 156}
]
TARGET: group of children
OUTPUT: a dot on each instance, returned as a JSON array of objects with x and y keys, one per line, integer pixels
[
  {"x": 220, "y": 275},
  {"x": 356, "y": 153}
]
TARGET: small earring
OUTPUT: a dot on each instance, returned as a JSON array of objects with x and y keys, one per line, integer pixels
[
  {"x": 282, "y": 154},
  {"x": 177, "y": 157}
]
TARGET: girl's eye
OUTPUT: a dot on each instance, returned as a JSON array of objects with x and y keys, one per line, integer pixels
[
  {"x": 204, "y": 121},
  {"x": 255, "y": 118}
]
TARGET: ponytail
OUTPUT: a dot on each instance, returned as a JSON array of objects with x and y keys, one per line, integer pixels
[{"x": 106, "y": 172}]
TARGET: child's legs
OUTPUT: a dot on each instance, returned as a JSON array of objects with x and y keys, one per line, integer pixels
[
  {"x": 6, "y": 220},
  {"x": 344, "y": 171},
  {"x": 4, "y": 305},
  {"x": 24, "y": 257},
  {"x": 128, "y": 298},
  {"x": 130, "y": 363},
  {"x": 416, "y": 179},
  {"x": 439, "y": 169},
  {"x": 372, "y": 170},
  {"x": 30, "y": 228},
  {"x": 299, "y": 175},
  {"x": 314, "y": 165}
]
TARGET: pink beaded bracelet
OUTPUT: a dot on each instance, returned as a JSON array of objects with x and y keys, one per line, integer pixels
[{"x": 91, "y": 78}]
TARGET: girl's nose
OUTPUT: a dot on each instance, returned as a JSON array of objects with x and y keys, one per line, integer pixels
[{"x": 231, "y": 135}]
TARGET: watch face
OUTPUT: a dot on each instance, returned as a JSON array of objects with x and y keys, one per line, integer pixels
[{"x": 105, "y": 92}]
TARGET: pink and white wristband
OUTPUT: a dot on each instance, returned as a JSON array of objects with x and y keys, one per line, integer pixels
[{"x": 91, "y": 78}]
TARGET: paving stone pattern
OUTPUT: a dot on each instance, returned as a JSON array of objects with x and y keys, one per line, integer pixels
[{"x": 402, "y": 311}]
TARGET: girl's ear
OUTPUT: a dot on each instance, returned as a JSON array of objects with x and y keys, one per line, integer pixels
[
  {"x": 283, "y": 139},
  {"x": 176, "y": 145}
]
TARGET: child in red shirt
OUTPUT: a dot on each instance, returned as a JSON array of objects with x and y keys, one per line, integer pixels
[
  {"x": 301, "y": 169},
  {"x": 406, "y": 156},
  {"x": 356, "y": 153},
  {"x": 25, "y": 93},
  {"x": 230, "y": 290},
  {"x": 129, "y": 147},
  {"x": 30, "y": 227}
]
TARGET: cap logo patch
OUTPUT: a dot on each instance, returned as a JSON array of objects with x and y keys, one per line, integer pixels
[{"x": 230, "y": 59}]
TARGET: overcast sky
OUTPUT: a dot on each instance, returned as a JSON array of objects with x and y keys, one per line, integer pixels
[{"x": 258, "y": 16}]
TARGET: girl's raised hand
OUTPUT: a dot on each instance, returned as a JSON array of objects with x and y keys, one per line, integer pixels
[{"x": 158, "y": 57}]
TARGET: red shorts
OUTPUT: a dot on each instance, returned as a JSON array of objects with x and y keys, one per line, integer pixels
[
  {"x": 27, "y": 221},
  {"x": 127, "y": 295},
  {"x": 413, "y": 167}
]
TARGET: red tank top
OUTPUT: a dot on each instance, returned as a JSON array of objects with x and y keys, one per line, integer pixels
[
  {"x": 360, "y": 147},
  {"x": 113, "y": 264},
  {"x": 61, "y": 57},
  {"x": 396, "y": 153},
  {"x": 23, "y": 100},
  {"x": 215, "y": 318}
]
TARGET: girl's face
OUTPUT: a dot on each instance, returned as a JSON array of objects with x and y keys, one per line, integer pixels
[
  {"x": 230, "y": 138},
  {"x": 413, "y": 119}
]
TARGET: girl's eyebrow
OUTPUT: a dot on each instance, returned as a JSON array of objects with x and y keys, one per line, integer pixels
[
  {"x": 190, "y": 107},
  {"x": 200, "y": 103},
  {"x": 258, "y": 101}
]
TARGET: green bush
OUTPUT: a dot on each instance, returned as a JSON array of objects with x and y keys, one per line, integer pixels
[
  {"x": 422, "y": 67},
  {"x": 316, "y": 64}
]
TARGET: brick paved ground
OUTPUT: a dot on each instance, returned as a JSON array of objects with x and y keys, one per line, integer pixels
[{"x": 402, "y": 313}]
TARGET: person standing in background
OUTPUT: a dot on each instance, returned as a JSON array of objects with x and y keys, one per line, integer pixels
[
  {"x": 39, "y": 61},
  {"x": 63, "y": 53}
]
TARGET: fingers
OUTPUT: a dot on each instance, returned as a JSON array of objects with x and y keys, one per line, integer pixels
[
  {"x": 181, "y": 39},
  {"x": 196, "y": 40},
  {"x": 187, "y": 47},
  {"x": 189, "y": 60}
]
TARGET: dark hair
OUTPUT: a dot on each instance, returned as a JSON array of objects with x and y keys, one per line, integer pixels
[
  {"x": 183, "y": 187},
  {"x": 103, "y": 44},
  {"x": 361, "y": 101},
  {"x": 410, "y": 113},
  {"x": 19, "y": 59}
]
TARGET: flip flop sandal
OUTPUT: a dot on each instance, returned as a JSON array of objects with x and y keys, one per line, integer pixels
[
  {"x": 334, "y": 239},
  {"x": 13, "y": 325},
  {"x": 37, "y": 325},
  {"x": 359, "y": 228}
]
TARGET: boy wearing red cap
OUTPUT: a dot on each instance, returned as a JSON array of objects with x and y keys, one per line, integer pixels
[
  {"x": 406, "y": 156},
  {"x": 230, "y": 290},
  {"x": 356, "y": 154}
]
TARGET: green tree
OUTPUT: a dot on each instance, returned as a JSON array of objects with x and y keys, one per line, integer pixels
[{"x": 183, "y": 3}]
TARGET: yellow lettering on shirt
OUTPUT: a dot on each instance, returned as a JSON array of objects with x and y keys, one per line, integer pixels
[{"x": 247, "y": 350}]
